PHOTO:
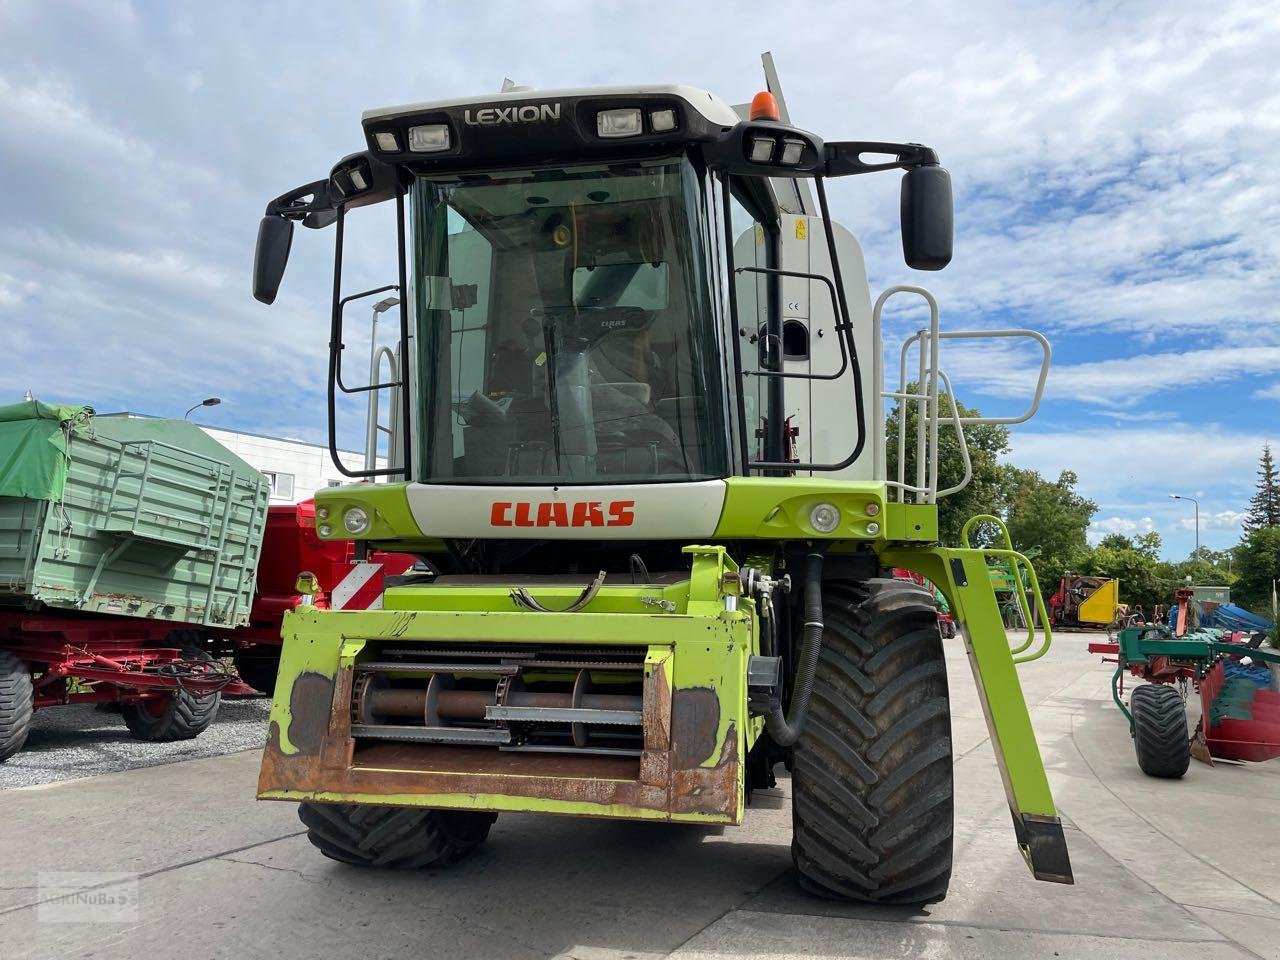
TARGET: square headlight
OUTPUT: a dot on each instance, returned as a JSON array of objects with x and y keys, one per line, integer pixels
[
  {"x": 618, "y": 123},
  {"x": 429, "y": 138}
]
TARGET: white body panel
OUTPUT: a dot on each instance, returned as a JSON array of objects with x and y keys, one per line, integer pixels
[
  {"x": 708, "y": 104},
  {"x": 636, "y": 511},
  {"x": 823, "y": 410}
]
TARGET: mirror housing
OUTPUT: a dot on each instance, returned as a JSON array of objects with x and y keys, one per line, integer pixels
[
  {"x": 927, "y": 221},
  {"x": 275, "y": 237}
]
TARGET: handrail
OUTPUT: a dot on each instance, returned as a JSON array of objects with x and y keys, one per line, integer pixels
[
  {"x": 1015, "y": 561},
  {"x": 926, "y": 397}
]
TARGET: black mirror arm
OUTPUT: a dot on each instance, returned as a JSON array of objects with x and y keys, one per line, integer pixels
[
  {"x": 844, "y": 158},
  {"x": 310, "y": 203}
]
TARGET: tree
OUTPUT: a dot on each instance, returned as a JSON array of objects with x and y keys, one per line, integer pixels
[
  {"x": 1257, "y": 564},
  {"x": 1136, "y": 563},
  {"x": 1051, "y": 515},
  {"x": 1264, "y": 505},
  {"x": 986, "y": 442}
]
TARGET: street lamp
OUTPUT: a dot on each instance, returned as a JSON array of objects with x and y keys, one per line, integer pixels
[
  {"x": 206, "y": 402},
  {"x": 1178, "y": 496},
  {"x": 375, "y": 362}
]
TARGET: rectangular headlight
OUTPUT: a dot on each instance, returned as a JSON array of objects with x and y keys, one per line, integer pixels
[
  {"x": 792, "y": 151},
  {"x": 662, "y": 120},
  {"x": 429, "y": 138},
  {"x": 618, "y": 123},
  {"x": 761, "y": 149},
  {"x": 387, "y": 141}
]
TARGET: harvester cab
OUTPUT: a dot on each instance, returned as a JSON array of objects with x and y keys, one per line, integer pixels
[{"x": 637, "y": 438}]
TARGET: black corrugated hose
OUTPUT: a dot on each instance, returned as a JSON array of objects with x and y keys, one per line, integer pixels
[{"x": 785, "y": 729}]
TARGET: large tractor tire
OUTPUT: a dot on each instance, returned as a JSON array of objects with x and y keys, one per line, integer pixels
[
  {"x": 16, "y": 704},
  {"x": 397, "y": 837},
  {"x": 1160, "y": 730},
  {"x": 871, "y": 777},
  {"x": 258, "y": 670},
  {"x": 179, "y": 716}
]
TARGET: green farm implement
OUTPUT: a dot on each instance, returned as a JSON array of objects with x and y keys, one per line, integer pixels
[
  {"x": 1236, "y": 682},
  {"x": 637, "y": 441}
]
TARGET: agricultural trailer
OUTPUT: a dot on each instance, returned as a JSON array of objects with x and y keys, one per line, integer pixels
[
  {"x": 640, "y": 444},
  {"x": 1236, "y": 682},
  {"x": 137, "y": 556}
]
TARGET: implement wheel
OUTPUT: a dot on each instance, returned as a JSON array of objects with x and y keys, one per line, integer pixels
[
  {"x": 871, "y": 779},
  {"x": 1160, "y": 730},
  {"x": 398, "y": 837},
  {"x": 15, "y": 704},
  {"x": 176, "y": 716}
]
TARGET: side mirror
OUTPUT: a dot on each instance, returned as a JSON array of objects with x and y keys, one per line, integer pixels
[
  {"x": 927, "y": 226},
  {"x": 275, "y": 237}
]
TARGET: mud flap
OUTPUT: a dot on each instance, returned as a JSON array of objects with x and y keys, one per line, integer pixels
[{"x": 962, "y": 575}]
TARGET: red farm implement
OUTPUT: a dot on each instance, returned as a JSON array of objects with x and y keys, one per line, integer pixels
[{"x": 1236, "y": 682}]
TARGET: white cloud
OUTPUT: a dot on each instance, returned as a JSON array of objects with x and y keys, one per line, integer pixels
[
  {"x": 1126, "y": 525},
  {"x": 1211, "y": 520}
]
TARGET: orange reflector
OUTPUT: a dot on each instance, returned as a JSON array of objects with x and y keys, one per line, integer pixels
[{"x": 764, "y": 106}]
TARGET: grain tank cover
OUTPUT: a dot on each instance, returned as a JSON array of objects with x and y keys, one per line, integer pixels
[
  {"x": 33, "y": 447},
  {"x": 126, "y": 515}
]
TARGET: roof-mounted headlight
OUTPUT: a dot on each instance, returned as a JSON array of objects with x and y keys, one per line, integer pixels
[
  {"x": 429, "y": 138},
  {"x": 624, "y": 122}
]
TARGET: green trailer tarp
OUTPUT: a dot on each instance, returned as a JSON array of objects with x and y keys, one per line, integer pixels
[{"x": 33, "y": 447}]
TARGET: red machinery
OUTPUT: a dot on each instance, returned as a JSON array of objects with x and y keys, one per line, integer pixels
[{"x": 290, "y": 546}]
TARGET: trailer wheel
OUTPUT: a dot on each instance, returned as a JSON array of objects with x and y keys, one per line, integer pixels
[
  {"x": 1160, "y": 730},
  {"x": 16, "y": 704},
  {"x": 872, "y": 778},
  {"x": 396, "y": 837},
  {"x": 179, "y": 716},
  {"x": 257, "y": 670}
]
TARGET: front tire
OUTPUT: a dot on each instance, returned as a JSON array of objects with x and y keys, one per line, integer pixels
[
  {"x": 16, "y": 704},
  {"x": 402, "y": 838},
  {"x": 1160, "y": 730},
  {"x": 872, "y": 777},
  {"x": 179, "y": 716}
]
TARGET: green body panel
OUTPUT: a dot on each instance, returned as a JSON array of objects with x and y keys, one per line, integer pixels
[
  {"x": 962, "y": 575},
  {"x": 701, "y": 645},
  {"x": 153, "y": 519}
]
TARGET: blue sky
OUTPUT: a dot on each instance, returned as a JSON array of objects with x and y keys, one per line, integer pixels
[{"x": 1113, "y": 166}]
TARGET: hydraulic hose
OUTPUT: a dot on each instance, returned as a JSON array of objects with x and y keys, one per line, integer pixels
[{"x": 785, "y": 729}]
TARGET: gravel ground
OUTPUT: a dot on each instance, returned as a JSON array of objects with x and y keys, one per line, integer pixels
[{"x": 81, "y": 741}]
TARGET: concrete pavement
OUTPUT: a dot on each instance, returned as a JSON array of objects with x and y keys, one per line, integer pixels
[{"x": 1164, "y": 869}]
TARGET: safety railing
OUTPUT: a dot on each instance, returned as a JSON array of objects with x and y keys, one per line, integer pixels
[
  {"x": 1019, "y": 566},
  {"x": 925, "y": 398}
]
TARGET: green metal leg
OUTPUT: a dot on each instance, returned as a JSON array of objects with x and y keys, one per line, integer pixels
[{"x": 962, "y": 576}]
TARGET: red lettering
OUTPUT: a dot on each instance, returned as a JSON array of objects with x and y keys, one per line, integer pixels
[
  {"x": 587, "y": 514},
  {"x": 498, "y": 515},
  {"x": 524, "y": 514},
  {"x": 621, "y": 514},
  {"x": 553, "y": 514}
]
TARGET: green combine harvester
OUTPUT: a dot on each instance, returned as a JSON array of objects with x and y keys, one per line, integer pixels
[{"x": 637, "y": 441}]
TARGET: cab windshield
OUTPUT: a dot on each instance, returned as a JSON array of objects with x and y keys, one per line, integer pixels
[{"x": 565, "y": 329}]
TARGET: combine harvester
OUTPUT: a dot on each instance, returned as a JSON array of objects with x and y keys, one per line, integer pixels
[
  {"x": 640, "y": 442},
  {"x": 137, "y": 555}
]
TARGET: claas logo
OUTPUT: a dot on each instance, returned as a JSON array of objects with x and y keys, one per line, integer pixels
[{"x": 560, "y": 513}]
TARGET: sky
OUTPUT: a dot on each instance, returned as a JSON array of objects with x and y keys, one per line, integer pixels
[{"x": 1112, "y": 165}]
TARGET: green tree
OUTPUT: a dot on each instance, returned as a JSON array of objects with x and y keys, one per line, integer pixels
[
  {"x": 986, "y": 442},
  {"x": 1051, "y": 515},
  {"x": 1135, "y": 562},
  {"x": 1264, "y": 505},
  {"x": 1257, "y": 565}
]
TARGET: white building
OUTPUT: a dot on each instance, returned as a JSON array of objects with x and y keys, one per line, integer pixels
[{"x": 295, "y": 469}]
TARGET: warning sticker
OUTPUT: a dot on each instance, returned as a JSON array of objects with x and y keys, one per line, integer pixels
[{"x": 802, "y": 228}]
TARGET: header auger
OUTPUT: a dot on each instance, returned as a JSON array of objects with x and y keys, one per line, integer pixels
[{"x": 637, "y": 441}]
